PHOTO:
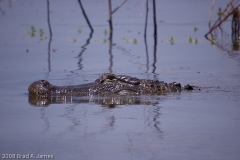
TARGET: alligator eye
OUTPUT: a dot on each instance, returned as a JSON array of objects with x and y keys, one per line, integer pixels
[
  {"x": 177, "y": 84},
  {"x": 111, "y": 77}
]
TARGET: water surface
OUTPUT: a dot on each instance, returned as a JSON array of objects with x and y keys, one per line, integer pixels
[{"x": 201, "y": 124}]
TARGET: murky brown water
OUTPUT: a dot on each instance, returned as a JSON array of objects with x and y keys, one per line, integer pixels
[{"x": 201, "y": 124}]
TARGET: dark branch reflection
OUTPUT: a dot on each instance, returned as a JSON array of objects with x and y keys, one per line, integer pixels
[
  {"x": 154, "y": 36},
  {"x": 110, "y": 52},
  {"x": 156, "y": 118},
  {"x": 85, "y": 15},
  {"x": 154, "y": 57},
  {"x": 84, "y": 47},
  {"x": 145, "y": 36},
  {"x": 50, "y": 37},
  {"x": 89, "y": 38},
  {"x": 45, "y": 120},
  {"x": 43, "y": 112}
]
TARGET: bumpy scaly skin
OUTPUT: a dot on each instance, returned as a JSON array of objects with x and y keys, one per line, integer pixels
[{"x": 107, "y": 84}]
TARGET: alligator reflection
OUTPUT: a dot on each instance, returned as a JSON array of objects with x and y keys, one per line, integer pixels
[{"x": 109, "y": 101}]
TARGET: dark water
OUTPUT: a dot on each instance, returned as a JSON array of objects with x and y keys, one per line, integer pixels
[{"x": 201, "y": 124}]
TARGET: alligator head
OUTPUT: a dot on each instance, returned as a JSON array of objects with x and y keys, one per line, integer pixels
[{"x": 41, "y": 87}]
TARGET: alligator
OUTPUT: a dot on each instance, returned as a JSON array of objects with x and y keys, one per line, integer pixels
[{"x": 108, "y": 84}]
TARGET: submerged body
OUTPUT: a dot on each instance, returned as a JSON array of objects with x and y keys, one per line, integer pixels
[{"x": 108, "y": 84}]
